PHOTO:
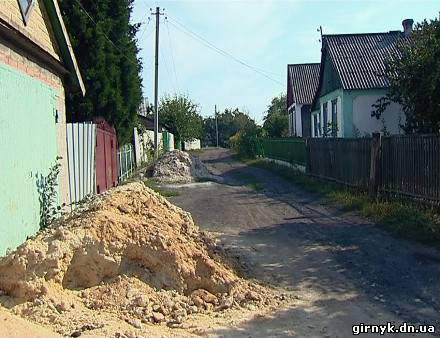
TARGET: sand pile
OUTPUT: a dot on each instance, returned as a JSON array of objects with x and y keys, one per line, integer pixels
[
  {"x": 180, "y": 167},
  {"x": 132, "y": 257}
]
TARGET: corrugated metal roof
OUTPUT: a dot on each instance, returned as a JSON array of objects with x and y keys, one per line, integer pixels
[
  {"x": 304, "y": 79},
  {"x": 359, "y": 59}
]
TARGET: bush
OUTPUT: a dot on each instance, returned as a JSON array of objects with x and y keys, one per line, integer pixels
[{"x": 245, "y": 144}]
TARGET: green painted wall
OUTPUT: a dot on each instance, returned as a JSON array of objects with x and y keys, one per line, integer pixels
[
  {"x": 347, "y": 98},
  {"x": 28, "y": 149}
]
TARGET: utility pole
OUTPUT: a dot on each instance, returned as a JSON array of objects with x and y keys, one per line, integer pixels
[
  {"x": 156, "y": 86},
  {"x": 216, "y": 124}
]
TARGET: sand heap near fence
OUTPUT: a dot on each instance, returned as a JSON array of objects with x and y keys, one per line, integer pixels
[
  {"x": 131, "y": 258},
  {"x": 180, "y": 167}
]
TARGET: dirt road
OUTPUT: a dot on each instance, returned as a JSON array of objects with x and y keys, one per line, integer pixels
[{"x": 344, "y": 270}]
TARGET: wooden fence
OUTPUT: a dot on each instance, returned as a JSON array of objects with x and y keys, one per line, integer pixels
[
  {"x": 410, "y": 166},
  {"x": 407, "y": 166},
  {"x": 342, "y": 160},
  {"x": 291, "y": 150}
]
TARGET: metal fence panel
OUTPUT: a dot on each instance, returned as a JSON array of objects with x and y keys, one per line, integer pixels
[
  {"x": 81, "y": 159},
  {"x": 126, "y": 162}
]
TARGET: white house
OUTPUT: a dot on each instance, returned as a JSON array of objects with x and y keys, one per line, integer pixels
[{"x": 302, "y": 82}]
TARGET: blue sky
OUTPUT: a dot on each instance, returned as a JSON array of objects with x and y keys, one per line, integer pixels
[{"x": 264, "y": 34}]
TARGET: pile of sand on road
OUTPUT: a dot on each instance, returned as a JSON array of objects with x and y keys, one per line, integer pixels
[
  {"x": 132, "y": 258},
  {"x": 180, "y": 167}
]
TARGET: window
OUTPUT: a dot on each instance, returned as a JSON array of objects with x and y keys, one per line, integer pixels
[
  {"x": 26, "y": 8},
  {"x": 325, "y": 118},
  {"x": 318, "y": 116},
  {"x": 315, "y": 125},
  {"x": 335, "y": 118},
  {"x": 293, "y": 116}
]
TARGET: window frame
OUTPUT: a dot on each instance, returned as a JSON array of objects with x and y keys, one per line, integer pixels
[
  {"x": 335, "y": 117},
  {"x": 324, "y": 118},
  {"x": 315, "y": 125},
  {"x": 26, "y": 12}
]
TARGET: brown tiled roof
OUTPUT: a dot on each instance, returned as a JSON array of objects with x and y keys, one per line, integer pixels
[
  {"x": 303, "y": 82},
  {"x": 359, "y": 59}
]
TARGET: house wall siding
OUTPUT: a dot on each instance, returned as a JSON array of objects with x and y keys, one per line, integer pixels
[
  {"x": 27, "y": 144},
  {"x": 330, "y": 79},
  {"x": 26, "y": 65},
  {"x": 39, "y": 30},
  {"x": 357, "y": 113},
  {"x": 364, "y": 123},
  {"x": 36, "y": 28}
]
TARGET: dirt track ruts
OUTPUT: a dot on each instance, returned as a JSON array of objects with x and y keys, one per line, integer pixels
[{"x": 344, "y": 270}]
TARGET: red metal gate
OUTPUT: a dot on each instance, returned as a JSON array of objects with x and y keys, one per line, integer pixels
[{"x": 106, "y": 150}]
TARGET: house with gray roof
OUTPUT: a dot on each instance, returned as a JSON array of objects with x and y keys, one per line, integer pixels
[
  {"x": 351, "y": 81},
  {"x": 302, "y": 82}
]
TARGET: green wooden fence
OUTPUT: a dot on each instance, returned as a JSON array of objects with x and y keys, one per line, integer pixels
[
  {"x": 291, "y": 150},
  {"x": 407, "y": 166}
]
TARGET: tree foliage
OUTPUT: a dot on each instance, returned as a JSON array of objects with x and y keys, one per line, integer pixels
[
  {"x": 276, "y": 120},
  {"x": 181, "y": 116},
  {"x": 230, "y": 122},
  {"x": 414, "y": 74},
  {"x": 110, "y": 69}
]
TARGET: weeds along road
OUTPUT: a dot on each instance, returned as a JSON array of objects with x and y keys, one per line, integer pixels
[{"x": 343, "y": 269}]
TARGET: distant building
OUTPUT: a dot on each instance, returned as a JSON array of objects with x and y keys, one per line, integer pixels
[
  {"x": 352, "y": 80},
  {"x": 302, "y": 82}
]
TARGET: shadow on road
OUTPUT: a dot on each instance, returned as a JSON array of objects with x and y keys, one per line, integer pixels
[{"x": 341, "y": 266}]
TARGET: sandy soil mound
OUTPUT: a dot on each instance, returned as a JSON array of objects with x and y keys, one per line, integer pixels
[
  {"x": 180, "y": 167},
  {"x": 131, "y": 257}
]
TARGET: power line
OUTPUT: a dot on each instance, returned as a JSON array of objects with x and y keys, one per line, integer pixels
[
  {"x": 109, "y": 40},
  {"x": 210, "y": 45},
  {"x": 147, "y": 24},
  {"x": 162, "y": 55},
  {"x": 172, "y": 54}
]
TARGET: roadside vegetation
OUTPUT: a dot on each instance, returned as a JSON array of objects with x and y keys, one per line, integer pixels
[
  {"x": 406, "y": 219},
  {"x": 154, "y": 185}
]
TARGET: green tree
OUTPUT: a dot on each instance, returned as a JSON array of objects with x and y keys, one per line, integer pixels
[
  {"x": 230, "y": 121},
  {"x": 276, "y": 120},
  {"x": 414, "y": 75},
  {"x": 181, "y": 116},
  {"x": 106, "y": 50}
]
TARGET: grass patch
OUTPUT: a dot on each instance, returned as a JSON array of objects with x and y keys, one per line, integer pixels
[
  {"x": 154, "y": 185},
  {"x": 257, "y": 186},
  {"x": 405, "y": 218}
]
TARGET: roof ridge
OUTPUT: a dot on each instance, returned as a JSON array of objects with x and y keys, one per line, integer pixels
[
  {"x": 304, "y": 64},
  {"x": 360, "y": 34}
]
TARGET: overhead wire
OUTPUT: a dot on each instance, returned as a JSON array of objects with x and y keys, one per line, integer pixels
[
  {"x": 172, "y": 54},
  {"x": 105, "y": 35},
  {"x": 210, "y": 45},
  {"x": 162, "y": 56}
]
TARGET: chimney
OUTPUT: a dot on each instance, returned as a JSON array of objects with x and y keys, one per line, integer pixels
[{"x": 407, "y": 26}]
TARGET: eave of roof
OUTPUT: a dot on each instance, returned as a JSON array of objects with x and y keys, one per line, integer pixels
[{"x": 63, "y": 40}]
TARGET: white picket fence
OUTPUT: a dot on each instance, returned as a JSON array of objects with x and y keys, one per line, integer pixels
[{"x": 126, "y": 162}]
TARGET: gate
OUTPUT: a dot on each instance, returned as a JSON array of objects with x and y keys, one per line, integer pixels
[{"x": 106, "y": 151}]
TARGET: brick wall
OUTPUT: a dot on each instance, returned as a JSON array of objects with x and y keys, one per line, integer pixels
[{"x": 37, "y": 29}]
